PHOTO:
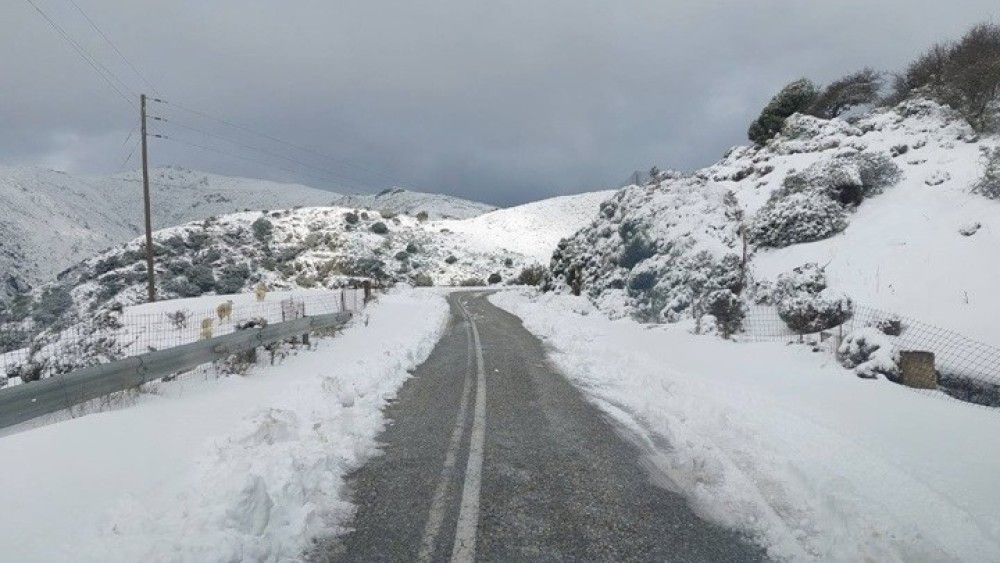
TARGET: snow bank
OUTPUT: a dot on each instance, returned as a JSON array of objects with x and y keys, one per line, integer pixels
[
  {"x": 813, "y": 462},
  {"x": 206, "y": 469}
]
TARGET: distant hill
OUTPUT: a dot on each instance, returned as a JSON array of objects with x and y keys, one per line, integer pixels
[{"x": 50, "y": 219}]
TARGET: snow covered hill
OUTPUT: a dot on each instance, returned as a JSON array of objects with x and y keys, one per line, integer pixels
[
  {"x": 304, "y": 248},
  {"x": 533, "y": 229},
  {"x": 50, "y": 220},
  {"x": 884, "y": 206}
]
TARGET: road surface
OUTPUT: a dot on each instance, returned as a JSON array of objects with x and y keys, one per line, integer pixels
[{"x": 492, "y": 455}]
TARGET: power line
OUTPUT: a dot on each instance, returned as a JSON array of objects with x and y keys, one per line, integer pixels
[
  {"x": 121, "y": 168},
  {"x": 109, "y": 78},
  {"x": 331, "y": 173},
  {"x": 277, "y": 140},
  {"x": 234, "y": 155},
  {"x": 113, "y": 46}
]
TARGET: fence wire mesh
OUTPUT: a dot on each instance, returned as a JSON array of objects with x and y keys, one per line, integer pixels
[
  {"x": 120, "y": 333},
  {"x": 968, "y": 370}
]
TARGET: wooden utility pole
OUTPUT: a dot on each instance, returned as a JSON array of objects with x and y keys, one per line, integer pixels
[{"x": 145, "y": 197}]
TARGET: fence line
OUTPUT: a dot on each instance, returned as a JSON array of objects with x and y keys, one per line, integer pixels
[
  {"x": 115, "y": 334},
  {"x": 968, "y": 370},
  {"x": 25, "y": 402}
]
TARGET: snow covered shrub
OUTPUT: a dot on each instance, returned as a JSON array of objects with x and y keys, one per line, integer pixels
[
  {"x": 197, "y": 240},
  {"x": 472, "y": 282},
  {"x": 870, "y": 352},
  {"x": 890, "y": 326},
  {"x": 793, "y": 98},
  {"x": 852, "y": 91},
  {"x": 637, "y": 244},
  {"x": 727, "y": 309},
  {"x": 804, "y": 302},
  {"x": 422, "y": 216},
  {"x": 494, "y": 278},
  {"x": 989, "y": 184},
  {"x": 812, "y": 313},
  {"x": 421, "y": 279},
  {"x": 351, "y": 218},
  {"x": 181, "y": 286},
  {"x": 811, "y": 204},
  {"x": 108, "y": 264},
  {"x": 379, "y": 228},
  {"x": 52, "y": 302},
  {"x": 232, "y": 278},
  {"x": 876, "y": 170},
  {"x": 798, "y": 217},
  {"x": 262, "y": 229},
  {"x": 532, "y": 275}
]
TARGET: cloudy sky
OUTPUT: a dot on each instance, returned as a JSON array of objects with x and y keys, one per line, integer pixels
[{"x": 498, "y": 101}]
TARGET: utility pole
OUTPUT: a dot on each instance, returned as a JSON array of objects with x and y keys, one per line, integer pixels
[{"x": 145, "y": 197}]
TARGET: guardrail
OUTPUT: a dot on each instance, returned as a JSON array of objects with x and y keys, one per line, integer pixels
[{"x": 25, "y": 402}]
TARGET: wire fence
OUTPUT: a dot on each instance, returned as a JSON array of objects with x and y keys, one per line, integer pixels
[
  {"x": 119, "y": 333},
  {"x": 968, "y": 370}
]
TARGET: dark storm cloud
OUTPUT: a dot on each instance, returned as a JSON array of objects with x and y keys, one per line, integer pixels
[{"x": 497, "y": 101}]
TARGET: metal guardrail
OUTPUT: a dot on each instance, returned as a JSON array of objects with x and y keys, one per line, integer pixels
[{"x": 31, "y": 400}]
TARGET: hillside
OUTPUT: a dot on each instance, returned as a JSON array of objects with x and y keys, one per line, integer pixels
[
  {"x": 533, "y": 229},
  {"x": 91, "y": 214},
  {"x": 879, "y": 211},
  {"x": 311, "y": 247}
]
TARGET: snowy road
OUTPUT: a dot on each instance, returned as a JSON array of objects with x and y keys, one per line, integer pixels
[{"x": 490, "y": 454}]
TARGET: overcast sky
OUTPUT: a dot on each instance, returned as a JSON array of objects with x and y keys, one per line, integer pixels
[{"x": 496, "y": 101}]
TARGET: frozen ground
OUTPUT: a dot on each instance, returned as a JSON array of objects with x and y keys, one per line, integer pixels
[
  {"x": 814, "y": 462},
  {"x": 216, "y": 469}
]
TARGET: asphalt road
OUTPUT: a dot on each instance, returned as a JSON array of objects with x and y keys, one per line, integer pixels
[{"x": 492, "y": 455}]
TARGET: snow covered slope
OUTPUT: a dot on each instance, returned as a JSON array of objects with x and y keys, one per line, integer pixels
[
  {"x": 884, "y": 205},
  {"x": 533, "y": 229},
  {"x": 400, "y": 201},
  {"x": 50, "y": 220}
]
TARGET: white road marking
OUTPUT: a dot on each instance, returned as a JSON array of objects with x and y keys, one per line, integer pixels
[
  {"x": 437, "y": 511},
  {"x": 464, "y": 549}
]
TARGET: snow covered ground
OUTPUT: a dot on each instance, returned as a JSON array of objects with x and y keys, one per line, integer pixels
[
  {"x": 533, "y": 229},
  {"x": 216, "y": 469},
  {"x": 783, "y": 443}
]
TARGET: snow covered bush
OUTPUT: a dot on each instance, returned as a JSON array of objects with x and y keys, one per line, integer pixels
[
  {"x": 728, "y": 311},
  {"x": 870, "y": 352},
  {"x": 890, "y": 326},
  {"x": 812, "y": 204},
  {"x": 232, "y": 278},
  {"x": 804, "y": 302},
  {"x": 793, "y": 98},
  {"x": 812, "y": 313},
  {"x": 989, "y": 184},
  {"x": 379, "y": 228},
  {"x": 532, "y": 275},
  {"x": 795, "y": 218},
  {"x": 422, "y": 279},
  {"x": 50, "y": 304},
  {"x": 494, "y": 278},
  {"x": 262, "y": 229}
]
